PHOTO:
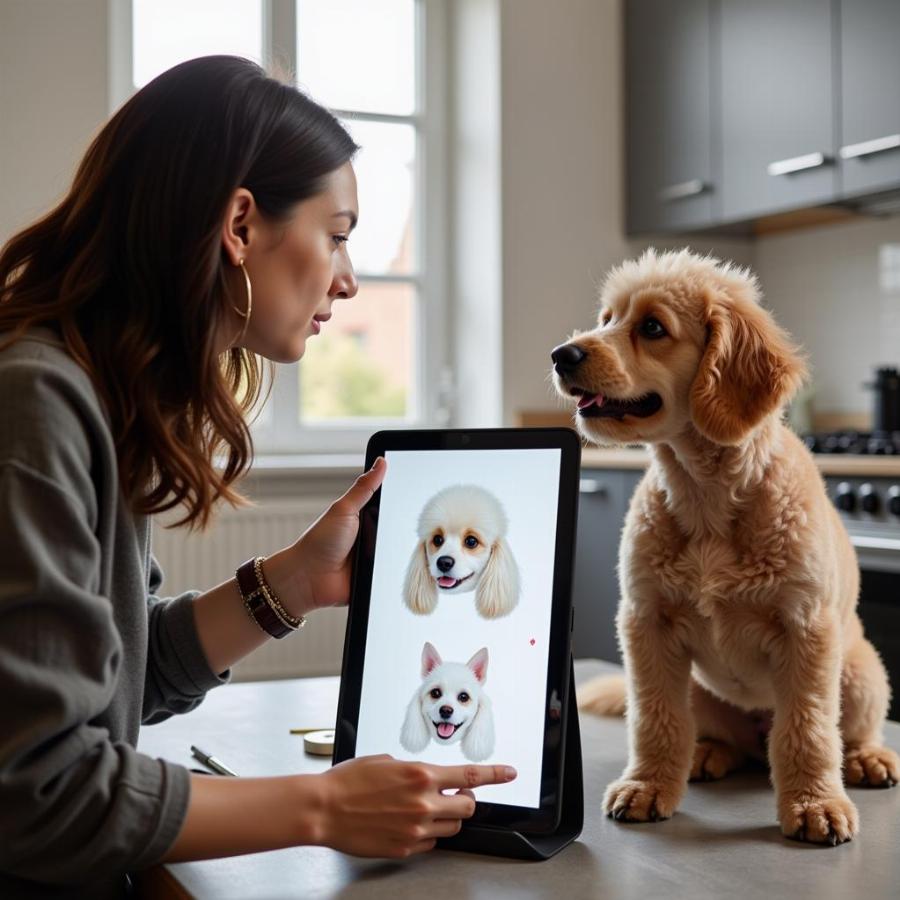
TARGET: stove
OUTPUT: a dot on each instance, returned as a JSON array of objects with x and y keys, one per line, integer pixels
[
  {"x": 865, "y": 443},
  {"x": 869, "y": 506}
]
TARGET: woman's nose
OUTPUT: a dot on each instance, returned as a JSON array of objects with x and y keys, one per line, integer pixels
[{"x": 344, "y": 286}]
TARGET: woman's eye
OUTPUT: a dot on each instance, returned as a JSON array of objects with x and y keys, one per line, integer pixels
[
  {"x": 463, "y": 697},
  {"x": 471, "y": 542},
  {"x": 340, "y": 239},
  {"x": 651, "y": 328},
  {"x": 435, "y": 693},
  {"x": 437, "y": 540}
]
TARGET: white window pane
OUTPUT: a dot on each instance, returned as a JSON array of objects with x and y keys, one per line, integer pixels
[
  {"x": 361, "y": 365},
  {"x": 383, "y": 242},
  {"x": 358, "y": 54},
  {"x": 167, "y": 32}
]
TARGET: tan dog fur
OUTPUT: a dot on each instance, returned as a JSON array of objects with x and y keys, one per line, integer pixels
[{"x": 738, "y": 580}]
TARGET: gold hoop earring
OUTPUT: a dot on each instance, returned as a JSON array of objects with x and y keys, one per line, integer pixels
[{"x": 244, "y": 314}]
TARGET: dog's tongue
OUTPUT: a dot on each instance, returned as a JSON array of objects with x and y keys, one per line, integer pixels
[
  {"x": 446, "y": 581},
  {"x": 587, "y": 400},
  {"x": 445, "y": 729}
]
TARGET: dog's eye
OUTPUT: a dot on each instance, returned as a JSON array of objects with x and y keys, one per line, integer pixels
[
  {"x": 463, "y": 697},
  {"x": 437, "y": 540},
  {"x": 435, "y": 693},
  {"x": 651, "y": 328},
  {"x": 471, "y": 541},
  {"x": 606, "y": 317}
]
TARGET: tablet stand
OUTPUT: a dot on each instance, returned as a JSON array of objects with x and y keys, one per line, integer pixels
[{"x": 506, "y": 842}]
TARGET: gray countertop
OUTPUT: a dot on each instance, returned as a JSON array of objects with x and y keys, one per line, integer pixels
[{"x": 723, "y": 841}]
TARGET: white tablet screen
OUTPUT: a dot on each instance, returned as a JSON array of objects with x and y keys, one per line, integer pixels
[{"x": 455, "y": 666}]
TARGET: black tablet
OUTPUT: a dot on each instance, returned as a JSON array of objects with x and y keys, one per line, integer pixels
[{"x": 459, "y": 630}]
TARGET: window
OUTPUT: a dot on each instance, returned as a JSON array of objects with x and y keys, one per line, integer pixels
[{"x": 381, "y": 360}]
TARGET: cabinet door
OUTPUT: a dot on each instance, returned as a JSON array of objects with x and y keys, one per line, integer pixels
[
  {"x": 670, "y": 172},
  {"x": 870, "y": 95},
  {"x": 777, "y": 109},
  {"x": 602, "y": 505}
]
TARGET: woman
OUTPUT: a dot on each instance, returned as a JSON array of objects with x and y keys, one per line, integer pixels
[{"x": 207, "y": 224}]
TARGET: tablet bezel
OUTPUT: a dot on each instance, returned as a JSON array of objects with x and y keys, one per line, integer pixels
[{"x": 544, "y": 818}]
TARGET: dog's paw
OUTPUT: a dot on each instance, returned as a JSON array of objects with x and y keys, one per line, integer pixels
[
  {"x": 641, "y": 801},
  {"x": 819, "y": 820},
  {"x": 871, "y": 767},
  {"x": 714, "y": 760}
]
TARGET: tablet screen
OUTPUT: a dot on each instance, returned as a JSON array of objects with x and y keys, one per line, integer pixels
[{"x": 456, "y": 651}]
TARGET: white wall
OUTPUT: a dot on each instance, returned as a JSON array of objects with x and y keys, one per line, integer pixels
[
  {"x": 53, "y": 98},
  {"x": 837, "y": 290}
]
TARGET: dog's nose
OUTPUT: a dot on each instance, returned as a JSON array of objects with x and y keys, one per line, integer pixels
[
  {"x": 445, "y": 563},
  {"x": 446, "y": 712},
  {"x": 566, "y": 357}
]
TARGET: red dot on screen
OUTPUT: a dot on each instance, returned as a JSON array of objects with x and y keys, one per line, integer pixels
[{"x": 531, "y": 642}]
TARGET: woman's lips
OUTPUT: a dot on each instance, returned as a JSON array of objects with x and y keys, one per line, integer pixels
[{"x": 317, "y": 321}]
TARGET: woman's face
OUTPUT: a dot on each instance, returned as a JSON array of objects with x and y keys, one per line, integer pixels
[{"x": 297, "y": 270}]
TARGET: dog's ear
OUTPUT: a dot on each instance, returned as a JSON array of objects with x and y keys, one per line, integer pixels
[
  {"x": 431, "y": 659},
  {"x": 414, "y": 734},
  {"x": 498, "y": 586},
  {"x": 478, "y": 741},
  {"x": 478, "y": 664},
  {"x": 419, "y": 590},
  {"x": 750, "y": 369}
]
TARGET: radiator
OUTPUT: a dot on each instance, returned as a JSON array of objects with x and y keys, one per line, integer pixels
[{"x": 202, "y": 561}]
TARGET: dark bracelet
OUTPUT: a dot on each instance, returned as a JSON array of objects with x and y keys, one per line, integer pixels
[{"x": 261, "y": 603}]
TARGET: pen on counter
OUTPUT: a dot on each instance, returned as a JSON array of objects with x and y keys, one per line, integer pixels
[{"x": 211, "y": 761}]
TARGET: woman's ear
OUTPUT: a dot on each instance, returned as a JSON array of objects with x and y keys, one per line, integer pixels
[
  {"x": 498, "y": 585},
  {"x": 750, "y": 369},
  {"x": 236, "y": 225},
  {"x": 414, "y": 734},
  {"x": 419, "y": 589},
  {"x": 478, "y": 741}
]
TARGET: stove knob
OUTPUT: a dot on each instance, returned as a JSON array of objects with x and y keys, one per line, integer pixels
[
  {"x": 868, "y": 499},
  {"x": 844, "y": 498},
  {"x": 893, "y": 502}
]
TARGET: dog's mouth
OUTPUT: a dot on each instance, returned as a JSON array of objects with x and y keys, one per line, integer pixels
[
  {"x": 446, "y": 581},
  {"x": 446, "y": 730},
  {"x": 595, "y": 406}
]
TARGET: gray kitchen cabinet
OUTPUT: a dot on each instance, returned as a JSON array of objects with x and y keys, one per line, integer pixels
[
  {"x": 603, "y": 502},
  {"x": 671, "y": 182},
  {"x": 870, "y": 96},
  {"x": 776, "y": 60}
]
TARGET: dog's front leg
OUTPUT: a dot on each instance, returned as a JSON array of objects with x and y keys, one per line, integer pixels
[
  {"x": 661, "y": 726},
  {"x": 805, "y": 742}
]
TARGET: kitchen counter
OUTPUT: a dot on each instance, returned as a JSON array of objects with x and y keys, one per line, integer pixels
[
  {"x": 724, "y": 840},
  {"x": 829, "y": 464}
]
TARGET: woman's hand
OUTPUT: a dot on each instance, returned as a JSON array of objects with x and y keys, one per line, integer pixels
[
  {"x": 380, "y": 806},
  {"x": 314, "y": 571}
]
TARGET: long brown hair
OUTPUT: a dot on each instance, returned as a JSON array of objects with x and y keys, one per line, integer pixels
[{"x": 129, "y": 268}]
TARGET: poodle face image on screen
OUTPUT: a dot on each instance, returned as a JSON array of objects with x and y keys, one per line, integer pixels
[
  {"x": 450, "y": 706},
  {"x": 462, "y": 548}
]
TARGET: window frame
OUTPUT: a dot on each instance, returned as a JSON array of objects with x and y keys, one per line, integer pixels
[{"x": 430, "y": 403}]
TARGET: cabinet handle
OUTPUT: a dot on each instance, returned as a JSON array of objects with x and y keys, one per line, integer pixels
[
  {"x": 797, "y": 163},
  {"x": 591, "y": 486},
  {"x": 867, "y": 148},
  {"x": 683, "y": 189}
]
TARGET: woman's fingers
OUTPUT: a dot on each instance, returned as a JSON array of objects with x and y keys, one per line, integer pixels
[
  {"x": 362, "y": 489},
  {"x": 471, "y": 776}
]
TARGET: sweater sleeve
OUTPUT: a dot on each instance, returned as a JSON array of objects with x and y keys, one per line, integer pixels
[
  {"x": 74, "y": 804},
  {"x": 178, "y": 675}
]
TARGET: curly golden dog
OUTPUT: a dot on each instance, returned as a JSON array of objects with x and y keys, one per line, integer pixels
[{"x": 739, "y": 584}]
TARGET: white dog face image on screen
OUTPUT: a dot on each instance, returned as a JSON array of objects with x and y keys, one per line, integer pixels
[
  {"x": 450, "y": 706},
  {"x": 462, "y": 548}
]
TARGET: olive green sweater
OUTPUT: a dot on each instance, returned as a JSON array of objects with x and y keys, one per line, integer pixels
[{"x": 88, "y": 651}]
